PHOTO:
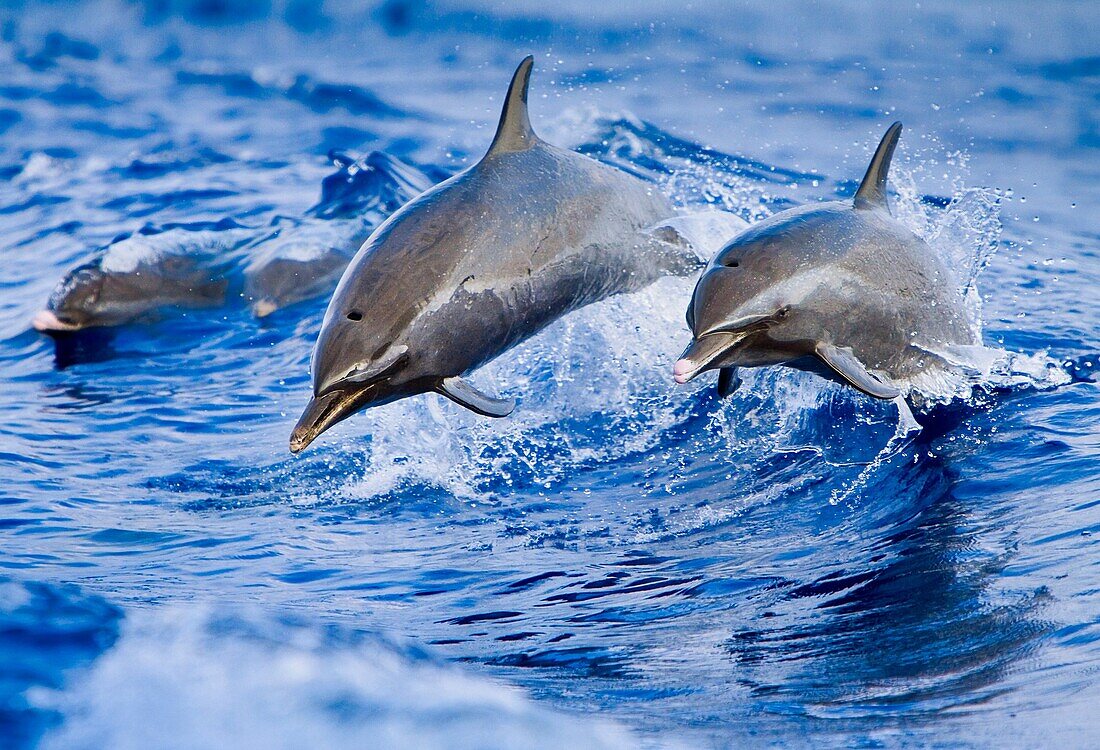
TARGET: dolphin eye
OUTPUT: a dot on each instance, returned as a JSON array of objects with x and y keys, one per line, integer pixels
[
  {"x": 783, "y": 312},
  {"x": 355, "y": 316}
]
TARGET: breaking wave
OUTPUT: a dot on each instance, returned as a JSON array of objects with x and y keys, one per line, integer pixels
[{"x": 188, "y": 676}]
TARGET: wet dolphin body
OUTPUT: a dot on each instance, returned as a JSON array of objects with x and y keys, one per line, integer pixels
[
  {"x": 841, "y": 289},
  {"x": 198, "y": 267},
  {"x": 478, "y": 264},
  {"x": 142, "y": 273},
  {"x": 305, "y": 260}
]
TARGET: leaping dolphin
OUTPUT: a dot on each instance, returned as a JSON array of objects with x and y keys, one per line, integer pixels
[
  {"x": 479, "y": 263},
  {"x": 840, "y": 289}
]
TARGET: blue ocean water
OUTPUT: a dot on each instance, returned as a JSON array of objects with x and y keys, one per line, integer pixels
[{"x": 622, "y": 562}]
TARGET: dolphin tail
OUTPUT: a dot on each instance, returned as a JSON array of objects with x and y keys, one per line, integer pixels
[
  {"x": 464, "y": 394},
  {"x": 872, "y": 191}
]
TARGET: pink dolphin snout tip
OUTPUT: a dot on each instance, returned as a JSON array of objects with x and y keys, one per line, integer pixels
[
  {"x": 682, "y": 370},
  {"x": 47, "y": 322}
]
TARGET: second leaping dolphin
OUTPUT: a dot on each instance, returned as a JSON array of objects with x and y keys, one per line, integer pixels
[
  {"x": 840, "y": 289},
  {"x": 479, "y": 263}
]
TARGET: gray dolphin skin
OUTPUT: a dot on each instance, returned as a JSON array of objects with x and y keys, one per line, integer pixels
[
  {"x": 479, "y": 263},
  {"x": 305, "y": 261},
  {"x": 150, "y": 271},
  {"x": 141, "y": 274},
  {"x": 841, "y": 289}
]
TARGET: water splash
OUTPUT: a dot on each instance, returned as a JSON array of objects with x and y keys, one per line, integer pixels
[
  {"x": 217, "y": 678},
  {"x": 609, "y": 363}
]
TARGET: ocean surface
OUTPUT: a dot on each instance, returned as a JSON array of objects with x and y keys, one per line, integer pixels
[{"x": 623, "y": 562}]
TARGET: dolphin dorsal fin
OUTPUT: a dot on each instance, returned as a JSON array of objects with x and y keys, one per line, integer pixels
[
  {"x": 514, "y": 132},
  {"x": 872, "y": 191}
]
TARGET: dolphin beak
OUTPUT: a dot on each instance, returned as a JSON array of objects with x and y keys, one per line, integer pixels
[
  {"x": 344, "y": 399},
  {"x": 323, "y": 412},
  {"x": 46, "y": 321},
  {"x": 702, "y": 352}
]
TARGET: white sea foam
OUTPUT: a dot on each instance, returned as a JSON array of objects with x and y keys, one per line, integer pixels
[
  {"x": 136, "y": 251},
  {"x": 189, "y": 677}
]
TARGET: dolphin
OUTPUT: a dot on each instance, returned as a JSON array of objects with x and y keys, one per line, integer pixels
[
  {"x": 837, "y": 288},
  {"x": 140, "y": 274},
  {"x": 303, "y": 261},
  {"x": 199, "y": 266},
  {"x": 300, "y": 262},
  {"x": 479, "y": 263}
]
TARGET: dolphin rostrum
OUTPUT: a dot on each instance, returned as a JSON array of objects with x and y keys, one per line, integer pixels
[
  {"x": 841, "y": 289},
  {"x": 479, "y": 263}
]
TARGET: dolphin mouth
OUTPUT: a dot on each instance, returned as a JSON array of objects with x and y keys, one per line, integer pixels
[
  {"x": 703, "y": 352},
  {"x": 323, "y": 411},
  {"x": 46, "y": 321},
  {"x": 340, "y": 401}
]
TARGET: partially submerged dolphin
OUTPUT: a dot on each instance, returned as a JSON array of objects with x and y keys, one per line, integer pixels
[
  {"x": 478, "y": 264},
  {"x": 300, "y": 262},
  {"x": 200, "y": 266},
  {"x": 142, "y": 273},
  {"x": 841, "y": 289},
  {"x": 305, "y": 260}
]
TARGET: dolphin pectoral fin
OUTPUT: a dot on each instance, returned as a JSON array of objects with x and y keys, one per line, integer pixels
[
  {"x": 464, "y": 394},
  {"x": 728, "y": 381},
  {"x": 872, "y": 190},
  {"x": 846, "y": 365}
]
